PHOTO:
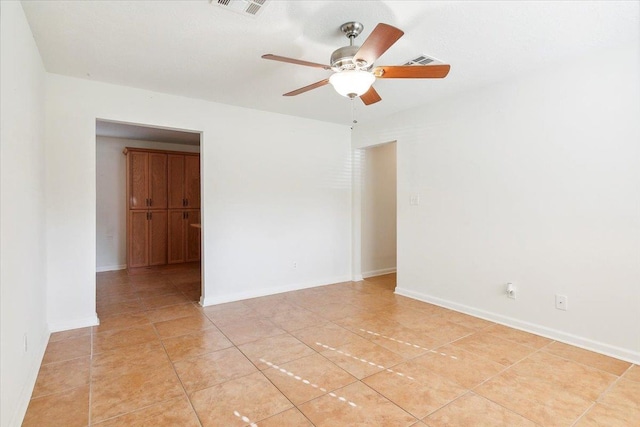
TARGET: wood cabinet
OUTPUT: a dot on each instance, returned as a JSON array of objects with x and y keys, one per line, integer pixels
[
  {"x": 184, "y": 240},
  {"x": 146, "y": 180},
  {"x": 157, "y": 183},
  {"x": 147, "y": 238},
  {"x": 184, "y": 181}
]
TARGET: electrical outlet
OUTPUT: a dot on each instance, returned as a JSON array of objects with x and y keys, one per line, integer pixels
[
  {"x": 511, "y": 290},
  {"x": 562, "y": 302},
  {"x": 294, "y": 265}
]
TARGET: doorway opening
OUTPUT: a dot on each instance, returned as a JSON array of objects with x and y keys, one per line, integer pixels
[
  {"x": 148, "y": 239},
  {"x": 378, "y": 258}
]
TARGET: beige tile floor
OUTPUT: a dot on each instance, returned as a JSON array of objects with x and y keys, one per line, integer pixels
[{"x": 351, "y": 354}]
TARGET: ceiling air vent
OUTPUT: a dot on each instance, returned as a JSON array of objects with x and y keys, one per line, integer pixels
[
  {"x": 245, "y": 7},
  {"x": 422, "y": 60}
]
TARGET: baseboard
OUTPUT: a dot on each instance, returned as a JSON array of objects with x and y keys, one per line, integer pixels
[
  {"x": 74, "y": 324},
  {"x": 111, "y": 268},
  {"x": 381, "y": 272},
  {"x": 554, "y": 334},
  {"x": 24, "y": 396},
  {"x": 271, "y": 291},
  {"x": 357, "y": 278}
]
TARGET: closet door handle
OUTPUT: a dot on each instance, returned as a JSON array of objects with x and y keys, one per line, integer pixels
[
  {"x": 151, "y": 215},
  {"x": 146, "y": 202},
  {"x": 150, "y": 202},
  {"x": 187, "y": 215}
]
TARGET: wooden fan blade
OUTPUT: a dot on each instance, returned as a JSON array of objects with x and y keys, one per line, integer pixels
[
  {"x": 370, "y": 97},
  {"x": 381, "y": 38},
  {"x": 295, "y": 61},
  {"x": 307, "y": 88},
  {"x": 412, "y": 71}
]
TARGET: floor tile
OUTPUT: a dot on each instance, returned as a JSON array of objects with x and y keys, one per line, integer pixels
[
  {"x": 307, "y": 378},
  {"x": 624, "y": 394},
  {"x": 129, "y": 360},
  {"x": 604, "y": 416},
  {"x": 534, "y": 398},
  {"x": 418, "y": 395},
  {"x": 576, "y": 378},
  {"x": 213, "y": 368},
  {"x": 69, "y": 408},
  {"x": 172, "y": 312},
  {"x": 590, "y": 358},
  {"x": 71, "y": 348},
  {"x": 73, "y": 333},
  {"x": 519, "y": 337},
  {"x": 298, "y": 318},
  {"x": 182, "y": 326},
  {"x": 633, "y": 373},
  {"x": 472, "y": 410},
  {"x": 251, "y": 396},
  {"x": 195, "y": 344},
  {"x": 329, "y": 333},
  {"x": 121, "y": 321},
  {"x": 278, "y": 349},
  {"x": 229, "y": 313},
  {"x": 113, "y": 396},
  {"x": 105, "y": 341},
  {"x": 247, "y": 330},
  {"x": 361, "y": 358},
  {"x": 370, "y": 409},
  {"x": 163, "y": 301},
  {"x": 494, "y": 348},
  {"x": 61, "y": 376},
  {"x": 461, "y": 367},
  {"x": 170, "y": 413},
  {"x": 111, "y": 309},
  {"x": 289, "y": 418}
]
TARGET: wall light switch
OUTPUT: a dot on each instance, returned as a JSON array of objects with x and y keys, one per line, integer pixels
[{"x": 414, "y": 200}]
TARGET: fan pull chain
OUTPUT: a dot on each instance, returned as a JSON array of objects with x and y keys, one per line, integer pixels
[{"x": 353, "y": 112}]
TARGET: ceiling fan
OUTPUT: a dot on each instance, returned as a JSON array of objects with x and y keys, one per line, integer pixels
[{"x": 353, "y": 65}]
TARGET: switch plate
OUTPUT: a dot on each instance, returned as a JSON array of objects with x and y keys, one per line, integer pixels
[
  {"x": 414, "y": 200},
  {"x": 562, "y": 302}
]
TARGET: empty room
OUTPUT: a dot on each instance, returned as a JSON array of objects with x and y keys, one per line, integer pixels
[{"x": 319, "y": 213}]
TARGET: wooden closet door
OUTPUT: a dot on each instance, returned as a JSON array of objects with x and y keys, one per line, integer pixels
[
  {"x": 192, "y": 181},
  {"x": 192, "y": 245},
  {"x": 175, "y": 171},
  {"x": 157, "y": 181},
  {"x": 158, "y": 237},
  {"x": 176, "y": 237},
  {"x": 137, "y": 178},
  {"x": 138, "y": 239}
]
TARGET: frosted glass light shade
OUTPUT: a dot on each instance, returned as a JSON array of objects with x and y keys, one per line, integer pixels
[{"x": 352, "y": 83}]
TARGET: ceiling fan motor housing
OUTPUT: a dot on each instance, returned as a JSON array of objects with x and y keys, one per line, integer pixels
[{"x": 342, "y": 58}]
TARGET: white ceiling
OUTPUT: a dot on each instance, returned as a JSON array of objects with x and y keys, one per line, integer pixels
[
  {"x": 200, "y": 50},
  {"x": 145, "y": 133}
]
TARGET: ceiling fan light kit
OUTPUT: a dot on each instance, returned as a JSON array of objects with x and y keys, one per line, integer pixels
[
  {"x": 353, "y": 65},
  {"x": 352, "y": 83}
]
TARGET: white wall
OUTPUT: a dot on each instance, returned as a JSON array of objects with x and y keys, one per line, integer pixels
[
  {"x": 379, "y": 210},
  {"x": 111, "y": 206},
  {"x": 275, "y": 190},
  {"x": 22, "y": 219},
  {"x": 534, "y": 181}
]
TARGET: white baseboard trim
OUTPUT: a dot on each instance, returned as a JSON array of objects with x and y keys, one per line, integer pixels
[
  {"x": 24, "y": 395},
  {"x": 381, "y": 272},
  {"x": 111, "y": 268},
  {"x": 554, "y": 334},
  {"x": 66, "y": 325},
  {"x": 271, "y": 291},
  {"x": 357, "y": 278}
]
